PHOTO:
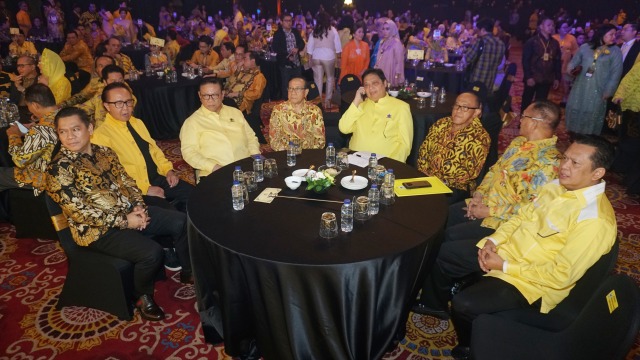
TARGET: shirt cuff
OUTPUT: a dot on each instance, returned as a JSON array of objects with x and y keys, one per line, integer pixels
[{"x": 504, "y": 266}]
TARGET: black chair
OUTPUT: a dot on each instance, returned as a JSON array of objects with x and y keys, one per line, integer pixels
[
  {"x": 29, "y": 215},
  {"x": 93, "y": 279},
  {"x": 77, "y": 77},
  {"x": 577, "y": 328},
  {"x": 601, "y": 331},
  {"x": 349, "y": 85}
]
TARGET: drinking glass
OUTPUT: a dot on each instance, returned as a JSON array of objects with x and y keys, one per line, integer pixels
[
  {"x": 250, "y": 181},
  {"x": 343, "y": 160},
  {"x": 380, "y": 173},
  {"x": 270, "y": 168},
  {"x": 387, "y": 195},
  {"x": 297, "y": 145},
  {"x": 361, "y": 208},
  {"x": 328, "y": 225}
]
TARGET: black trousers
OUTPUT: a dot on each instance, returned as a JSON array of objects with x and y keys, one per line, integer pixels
[
  {"x": 131, "y": 245},
  {"x": 178, "y": 195},
  {"x": 171, "y": 223},
  {"x": 539, "y": 91},
  {"x": 458, "y": 259},
  {"x": 461, "y": 228}
]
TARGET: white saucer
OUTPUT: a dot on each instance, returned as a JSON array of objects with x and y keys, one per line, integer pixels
[
  {"x": 302, "y": 172},
  {"x": 358, "y": 183},
  {"x": 423, "y": 94}
]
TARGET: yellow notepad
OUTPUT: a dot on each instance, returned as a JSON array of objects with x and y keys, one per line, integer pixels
[{"x": 437, "y": 187}]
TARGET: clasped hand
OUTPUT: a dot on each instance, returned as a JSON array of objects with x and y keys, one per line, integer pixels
[
  {"x": 488, "y": 257},
  {"x": 138, "y": 219}
]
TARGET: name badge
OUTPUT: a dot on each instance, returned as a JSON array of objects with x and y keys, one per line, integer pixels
[
  {"x": 358, "y": 51},
  {"x": 545, "y": 57}
]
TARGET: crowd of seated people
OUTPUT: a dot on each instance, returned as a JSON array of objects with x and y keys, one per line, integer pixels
[{"x": 107, "y": 151}]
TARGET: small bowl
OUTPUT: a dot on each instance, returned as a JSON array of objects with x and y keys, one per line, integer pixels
[
  {"x": 394, "y": 93},
  {"x": 293, "y": 182},
  {"x": 423, "y": 94}
]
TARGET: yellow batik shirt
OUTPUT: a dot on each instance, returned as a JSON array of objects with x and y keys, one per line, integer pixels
[
  {"x": 94, "y": 192},
  {"x": 286, "y": 124},
  {"x": 125, "y": 63},
  {"x": 551, "y": 242},
  {"x": 515, "y": 179},
  {"x": 456, "y": 159},
  {"x": 27, "y": 48},
  {"x": 33, "y": 153},
  {"x": 208, "y": 61}
]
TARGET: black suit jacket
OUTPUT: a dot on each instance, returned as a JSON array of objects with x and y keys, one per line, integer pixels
[
  {"x": 630, "y": 60},
  {"x": 280, "y": 46}
]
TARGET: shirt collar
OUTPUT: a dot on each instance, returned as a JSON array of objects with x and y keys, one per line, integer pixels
[
  {"x": 630, "y": 42},
  {"x": 586, "y": 195},
  {"x": 115, "y": 122}
]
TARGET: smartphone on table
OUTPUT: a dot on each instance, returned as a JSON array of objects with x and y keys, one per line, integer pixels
[{"x": 416, "y": 184}]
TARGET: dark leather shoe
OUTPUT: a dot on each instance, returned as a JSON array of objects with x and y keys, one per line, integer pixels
[
  {"x": 149, "y": 310},
  {"x": 186, "y": 277},
  {"x": 461, "y": 353},
  {"x": 425, "y": 310}
]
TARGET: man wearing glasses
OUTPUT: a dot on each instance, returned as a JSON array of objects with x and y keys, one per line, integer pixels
[
  {"x": 137, "y": 151},
  {"x": 530, "y": 161},
  {"x": 27, "y": 76},
  {"x": 456, "y": 147},
  {"x": 296, "y": 119},
  {"x": 215, "y": 135}
]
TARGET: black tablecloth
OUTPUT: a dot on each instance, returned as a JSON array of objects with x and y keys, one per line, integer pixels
[
  {"x": 264, "y": 273},
  {"x": 164, "y": 107},
  {"x": 271, "y": 72},
  {"x": 136, "y": 55},
  {"x": 449, "y": 77}
]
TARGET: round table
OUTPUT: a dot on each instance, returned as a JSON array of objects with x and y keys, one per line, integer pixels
[
  {"x": 263, "y": 273},
  {"x": 136, "y": 54},
  {"x": 164, "y": 107},
  {"x": 447, "y": 76}
]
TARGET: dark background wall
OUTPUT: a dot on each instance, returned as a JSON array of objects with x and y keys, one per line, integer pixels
[{"x": 452, "y": 9}]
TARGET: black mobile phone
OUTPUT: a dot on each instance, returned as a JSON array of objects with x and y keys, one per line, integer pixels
[{"x": 416, "y": 184}]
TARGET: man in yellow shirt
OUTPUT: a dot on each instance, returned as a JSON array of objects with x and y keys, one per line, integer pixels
[
  {"x": 137, "y": 151},
  {"x": 227, "y": 66},
  {"x": 530, "y": 161},
  {"x": 95, "y": 85},
  {"x": 205, "y": 56},
  {"x": 114, "y": 45},
  {"x": 19, "y": 46},
  {"x": 533, "y": 260},
  {"x": 380, "y": 124},
  {"x": 77, "y": 51},
  {"x": 23, "y": 18},
  {"x": 215, "y": 135}
]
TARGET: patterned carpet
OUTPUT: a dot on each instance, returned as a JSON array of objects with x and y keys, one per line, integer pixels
[{"x": 32, "y": 272}]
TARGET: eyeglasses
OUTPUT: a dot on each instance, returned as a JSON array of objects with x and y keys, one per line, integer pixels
[
  {"x": 296, "y": 89},
  {"x": 531, "y": 117},
  {"x": 210, "y": 96},
  {"x": 463, "y": 108},
  {"x": 120, "y": 104}
]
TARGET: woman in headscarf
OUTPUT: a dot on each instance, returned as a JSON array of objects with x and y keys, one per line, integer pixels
[
  {"x": 52, "y": 72},
  {"x": 390, "y": 58},
  {"x": 600, "y": 65}
]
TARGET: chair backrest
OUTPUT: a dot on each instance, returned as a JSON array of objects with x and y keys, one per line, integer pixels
[
  {"x": 502, "y": 94},
  {"x": 313, "y": 91},
  {"x": 61, "y": 225},
  {"x": 349, "y": 82}
]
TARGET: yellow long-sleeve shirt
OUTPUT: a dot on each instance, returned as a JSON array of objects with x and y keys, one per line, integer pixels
[
  {"x": 208, "y": 139},
  {"x": 385, "y": 127},
  {"x": 115, "y": 135},
  {"x": 78, "y": 53},
  {"x": 550, "y": 243},
  {"x": 27, "y": 48}
]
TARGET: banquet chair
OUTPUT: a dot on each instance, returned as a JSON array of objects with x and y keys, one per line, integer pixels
[
  {"x": 93, "y": 279},
  {"x": 349, "y": 85},
  {"x": 571, "y": 330},
  {"x": 77, "y": 77},
  {"x": 605, "y": 329}
]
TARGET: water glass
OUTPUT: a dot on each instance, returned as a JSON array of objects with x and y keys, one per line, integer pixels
[
  {"x": 297, "y": 145},
  {"x": 443, "y": 95},
  {"x": 387, "y": 195},
  {"x": 343, "y": 160},
  {"x": 328, "y": 225},
  {"x": 258, "y": 168},
  {"x": 381, "y": 171},
  {"x": 250, "y": 181},
  {"x": 361, "y": 210},
  {"x": 270, "y": 168}
]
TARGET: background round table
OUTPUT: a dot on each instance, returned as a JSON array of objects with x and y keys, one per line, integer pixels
[
  {"x": 164, "y": 107},
  {"x": 447, "y": 76},
  {"x": 263, "y": 273}
]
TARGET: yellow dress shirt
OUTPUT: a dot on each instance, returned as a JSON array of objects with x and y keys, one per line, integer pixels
[
  {"x": 172, "y": 48},
  {"x": 79, "y": 54},
  {"x": 27, "y": 48},
  {"x": 208, "y": 139},
  {"x": 225, "y": 68},
  {"x": 115, "y": 134},
  {"x": 550, "y": 243},
  {"x": 385, "y": 127},
  {"x": 207, "y": 61}
]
